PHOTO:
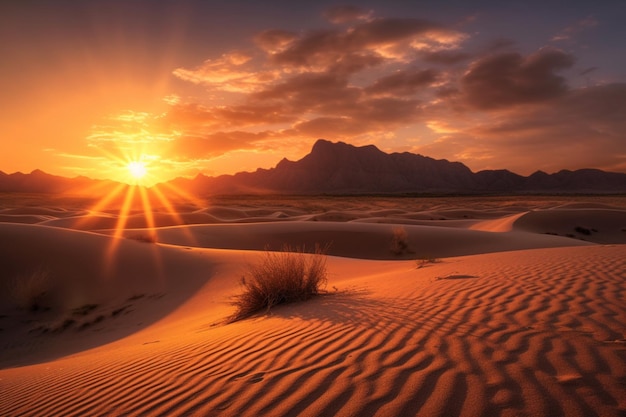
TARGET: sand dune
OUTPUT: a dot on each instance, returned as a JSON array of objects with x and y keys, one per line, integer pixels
[
  {"x": 594, "y": 225},
  {"x": 510, "y": 321},
  {"x": 504, "y": 334},
  {"x": 354, "y": 240}
]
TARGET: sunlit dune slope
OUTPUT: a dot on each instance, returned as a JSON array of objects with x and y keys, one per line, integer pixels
[{"x": 533, "y": 333}]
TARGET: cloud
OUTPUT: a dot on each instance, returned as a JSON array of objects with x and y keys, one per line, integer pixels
[
  {"x": 583, "y": 128},
  {"x": 345, "y": 14},
  {"x": 308, "y": 92},
  {"x": 444, "y": 57},
  {"x": 508, "y": 79},
  {"x": 274, "y": 41},
  {"x": 578, "y": 27},
  {"x": 371, "y": 117},
  {"x": 403, "y": 83},
  {"x": 373, "y": 80},
  {"x": 390, "y": 38},
  {"x": 227, "y": 73}
]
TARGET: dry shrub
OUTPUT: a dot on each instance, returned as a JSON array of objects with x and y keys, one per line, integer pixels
[
  {"x": 399, "y": 241},
  {"x": 30, "y": 290},
  {"x": 281, "y": 277},
  {"x": 146, "y": 238},
  {"x": 425, "y": 260}
]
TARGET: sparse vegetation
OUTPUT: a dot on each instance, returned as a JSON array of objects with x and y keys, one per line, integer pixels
[
  {"x": 399, "y": 241},
  {"x": 118, "y": 311},
  {"x": 84, "y": 310},
  {"x": 30, "y": 290},
  {"x": 136, "y": 297},
  {"x": 281, "y": 277},
  {"x": 582, "y": 230},
  {"x": 146, "y": 238},
  {"x": 423, "y": 261}
]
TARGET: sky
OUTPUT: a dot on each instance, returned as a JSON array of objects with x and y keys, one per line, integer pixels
[{"x": 218, "y": 87}]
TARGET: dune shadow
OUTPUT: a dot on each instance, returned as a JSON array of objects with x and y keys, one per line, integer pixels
[{"x": 89, "y": 307}]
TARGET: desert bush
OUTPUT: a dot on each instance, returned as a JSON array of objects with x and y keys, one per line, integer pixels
[
  {"x": 29, "y": 290},
  {"x": 583, "y": 230},
  {"x": 280, "y": 277},
  {"x": 425, "y": 260},
  {"x": 146, "y": 238},
  {"x": 399, "y": 241}
]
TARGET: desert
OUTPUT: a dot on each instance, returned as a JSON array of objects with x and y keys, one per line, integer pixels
[
  {"x": 311, "y": 209},
  {"x": 495, "y": 306}
]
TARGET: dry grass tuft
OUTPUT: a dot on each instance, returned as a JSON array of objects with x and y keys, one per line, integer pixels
[
  {"x": 281, "y": 277},
  {"x": 146, "y": 238},
  {"x": 426, "y": 260}
]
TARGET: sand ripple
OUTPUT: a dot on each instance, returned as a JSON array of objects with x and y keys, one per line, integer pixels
[{"x": 531, "y": 333}]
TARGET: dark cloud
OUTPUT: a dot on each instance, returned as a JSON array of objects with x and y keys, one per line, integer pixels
[
  {"x": 381, "y": 36},
  {"x": 500, "y": 44},
  {"x": 403, "y": 83},
  {"x": 366, "y": 117},
  {"x": 308, "y": 83},
  {"x": 384, "y": 30},
  {"x": 371, "y": 77},
  {"x": 331, "y": 126},
  {"x": 583, "y": 128},
  {"x": 345, "y": 14},
  {"x": 386, "y": 112},
  {"x": 310, "y": 91},
  {"x": 274, "y": 40},
  {"x": 445, "y": 57},
  {"x": 194, "y": 117},
  {"x": 508, "y": 79},
  {"x": 310, "y": 88}
]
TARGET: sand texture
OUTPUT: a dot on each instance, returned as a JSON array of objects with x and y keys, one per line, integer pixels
[{"x": 495, "y": 307}]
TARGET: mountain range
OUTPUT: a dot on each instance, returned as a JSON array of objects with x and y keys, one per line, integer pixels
[{"x": 340, "y": 168}]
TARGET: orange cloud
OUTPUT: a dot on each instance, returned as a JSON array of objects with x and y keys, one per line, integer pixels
[
  {"x": 227, "y": 73},
  {"x": 369, "y": 78}
]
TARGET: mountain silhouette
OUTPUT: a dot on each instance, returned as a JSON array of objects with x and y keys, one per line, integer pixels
[{"x": 339, "y": 168}]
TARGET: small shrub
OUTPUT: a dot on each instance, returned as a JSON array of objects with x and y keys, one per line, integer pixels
[
  {"x": 399, "y": 241},
  {"x": 281, "y": 277},
  {"x": 422, "y": 262},
  {"x": 146, "y": 238},
  {"x": 84, "y": 310},
  {"x": 29, "y": 291},
  {"x": 583, "y": 230}
]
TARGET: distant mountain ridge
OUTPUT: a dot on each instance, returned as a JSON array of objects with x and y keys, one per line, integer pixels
[
  {"x": 340, "y": 168},
  {"x": 40, "y": 182}
]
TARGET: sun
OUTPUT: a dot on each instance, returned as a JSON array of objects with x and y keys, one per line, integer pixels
[{"x": 137, "y": 169}]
